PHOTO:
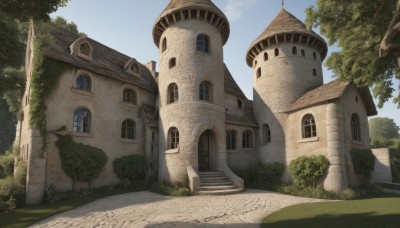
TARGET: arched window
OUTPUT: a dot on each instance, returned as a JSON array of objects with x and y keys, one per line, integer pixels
[
  {"x": 294, "y": 50},
  {"x": 129, "y": 96},
  {"x": 303, "y": 53},
  {"x": 84, "y": 48},
  {"x": 265, "y": 56},
  {"x": 202, "y": 43},
  {"x": 247, "y": 140},
  {"x": 172, "y": 63},
  {"x": 205, "y": 91},
  {"x": 164, "y": 45},
  {"x": 259, "y": 72},
  {"x": 173, "y": 138},
  {"x": 83, "y": 82},
  {"x": 81, "y": 120},
  {"x": 231, "y": 140},
  {"x": 314, "y": 72},
  {"x": 276, "y": 52},
  {"x": 135, "y": 68},
  {"x": 355, "y": 128},
  {"x": 255, "y": 63},
  {"x": 128, "y": 129},
  {"x": 314, "y": 56},
  {"x": 309, "y": 127},
  {"x": 173, "y": 94},
  {"x": 266, "y": 134}
]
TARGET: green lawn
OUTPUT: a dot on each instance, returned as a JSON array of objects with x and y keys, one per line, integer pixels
[
  {"x": 370, "y": 212},
  {"x": 23, "y": 217}
]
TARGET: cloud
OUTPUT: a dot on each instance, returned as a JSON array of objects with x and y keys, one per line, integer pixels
[{"x": 234, "y": 9}]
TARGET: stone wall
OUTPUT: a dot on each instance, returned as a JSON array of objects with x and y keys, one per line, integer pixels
[{"x": 382, "y": 172}]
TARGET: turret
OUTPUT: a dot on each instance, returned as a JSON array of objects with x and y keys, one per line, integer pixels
[{"x": 190, "y": 35}]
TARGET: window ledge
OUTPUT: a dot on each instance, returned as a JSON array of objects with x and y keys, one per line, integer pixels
[
  {"x": 83, "y": 135},
  {"x": 84, "y": 92},
  {"x": 361, "y": 143},
  {"x": 248, "y": 149},
  {"x": 172, "y": 151},
  {"x": 305, "y": 140},
  {"x": 127, "y": 104},
  {"x": 132, "y": 141}
]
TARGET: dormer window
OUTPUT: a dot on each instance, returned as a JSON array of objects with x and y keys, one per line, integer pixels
[
  {"x": 82, "y": 48},
  {"x": 132, "y": 67}
]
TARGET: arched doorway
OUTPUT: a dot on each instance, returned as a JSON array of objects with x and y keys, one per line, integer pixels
[{"x": 204, "y": 151}]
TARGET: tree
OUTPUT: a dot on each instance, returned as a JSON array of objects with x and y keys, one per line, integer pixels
[
  {"x": 8, "y": 120},
  {"x": 383, "y": 127},
  {"x": 358, "y": 27}
]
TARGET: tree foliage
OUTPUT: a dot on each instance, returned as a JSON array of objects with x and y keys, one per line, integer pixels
[
  {"x": 24, "y": 10},
  {"x": 80, "y": 162},
  {"x": 358, "y": 28},
  {"x": 8, "y": 121},
  {"x": 383, "y": 127}
]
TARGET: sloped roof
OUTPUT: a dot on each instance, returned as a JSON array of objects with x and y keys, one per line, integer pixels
[
  {"x": 247, "y": 119},
  {"x": 331, "y": 91},
  {"x": 178, "y": 10},
  {"x": 231, "y": 86},
  {"x": 105, "y": 61},
  {"x": 285, "y": 23}
]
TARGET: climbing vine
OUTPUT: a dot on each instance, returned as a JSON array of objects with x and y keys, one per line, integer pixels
[{"x": 45, "y": 76}]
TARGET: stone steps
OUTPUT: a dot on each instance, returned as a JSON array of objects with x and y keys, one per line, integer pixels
[{"x": 216, "y": 183}]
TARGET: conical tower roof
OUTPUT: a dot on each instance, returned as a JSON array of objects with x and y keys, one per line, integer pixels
[
  {"x": 178, "y": 10},
  {"x": 285, "y": 28}
]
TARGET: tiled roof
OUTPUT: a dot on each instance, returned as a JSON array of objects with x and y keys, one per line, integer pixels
[
  {"x": 331, "y": 91},
  {"x": 178, "y": 10},
  {"x": 247, "y": 119},
  {"x": 286, "y": 23},
  {"x": 231, "y": 86},
  {"x": 105, "y": 61}
]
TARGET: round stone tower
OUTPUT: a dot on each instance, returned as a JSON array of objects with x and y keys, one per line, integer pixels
[
  {"x": 190, "y": 35},
  {"x": 286, "y": 61}
]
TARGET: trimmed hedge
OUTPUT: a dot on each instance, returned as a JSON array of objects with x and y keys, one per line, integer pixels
[
  {"x": 262, "y": 176},
  {"x": 306, "y": 171},
  {"x": 7, "y": 165}
]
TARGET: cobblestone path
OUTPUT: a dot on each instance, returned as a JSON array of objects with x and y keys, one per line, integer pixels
[{"x": 146, "y": 209}]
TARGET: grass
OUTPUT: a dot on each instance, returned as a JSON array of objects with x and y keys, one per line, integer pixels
[
  {"x": 380, "y": 211},
  {"x": 26, "y": 216}
]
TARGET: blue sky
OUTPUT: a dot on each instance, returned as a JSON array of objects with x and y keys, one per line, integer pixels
[{"x": 126, "y": 26}]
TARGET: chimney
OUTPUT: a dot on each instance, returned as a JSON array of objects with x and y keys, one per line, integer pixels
[{"x": 152, "y": 67}]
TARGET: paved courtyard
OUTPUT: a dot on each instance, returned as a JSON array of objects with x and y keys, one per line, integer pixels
[{"x": 146, "y": 209}]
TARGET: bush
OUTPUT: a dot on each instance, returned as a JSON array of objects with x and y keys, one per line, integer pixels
[
  {"x": 20, "y": 174},
  {"x": 262, "y": 176},
  {"x": 318, "y": 192},
  {"x": 363, "y": 163},
  {"x": 131, "y": 169},
  {"x": 306, "y": 171},
  {"x": 12, "y": 192},
  {"x": 395, "y": 164},
  {"x": 80, "y": 162},
  {"x": 7, "y": 164},
  {"x": 170, "y": 190}
]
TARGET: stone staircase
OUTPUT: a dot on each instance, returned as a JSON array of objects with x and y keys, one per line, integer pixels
[{"x": 216, "y": 183}]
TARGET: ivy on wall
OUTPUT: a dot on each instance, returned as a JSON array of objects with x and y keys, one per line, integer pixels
[
  {"x": 45, "y": 76},
  {"x": 80, "y": 162}
]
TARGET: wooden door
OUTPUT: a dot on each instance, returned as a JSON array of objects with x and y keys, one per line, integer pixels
[{"x": 204, "y": 152}]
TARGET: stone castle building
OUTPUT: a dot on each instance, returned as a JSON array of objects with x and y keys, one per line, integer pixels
[{"x": 191, "y": 117}]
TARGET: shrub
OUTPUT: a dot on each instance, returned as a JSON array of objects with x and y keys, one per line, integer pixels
[
  {"x": 7, "y": 164},
  {"x": 318, "y": 192},
  {"x": 80, "y": 162},
  {"x": 131, "y": 168},
  {"x": 262, "y": 176},
  {"x": 170, "y": 189},
  {"x": 363, "y": 163},
  {"x": 306, "y": 171},
  {"x": 395, "y": 164},
  {"x": 12, "y": 192},
  {"x": 20, "y": 174}
]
